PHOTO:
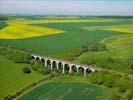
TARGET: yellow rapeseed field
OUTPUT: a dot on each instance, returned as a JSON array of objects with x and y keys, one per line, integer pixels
[
  {"x": 22, "y": 28},
  {"x": 118, "y": 28},
  {"x": 121, "y": 29},
  {"x": 17, "y": 30}
]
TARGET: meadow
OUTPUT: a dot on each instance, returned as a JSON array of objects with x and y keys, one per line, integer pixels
[{"x": 12, "y": 77}]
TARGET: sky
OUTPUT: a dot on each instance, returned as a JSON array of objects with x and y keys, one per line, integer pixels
[{"x": 67, "y": 7}]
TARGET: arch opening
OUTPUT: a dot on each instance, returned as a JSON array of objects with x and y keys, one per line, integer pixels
[
  {"x": 54, "y": 65},
  {"x": 74, "y": 68},
  {"x": 48, "y": 62},
  {"x": 88, "y": 71},
  {"x": 66, "y": 67},
  {"x": 60, "y": 66},
  {"x": 81, "y": 70}
]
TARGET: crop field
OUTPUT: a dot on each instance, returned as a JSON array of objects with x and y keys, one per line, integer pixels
[
  {"x": 73, "y": 35},
  {"x": 15, "y": 30},
  {"x": 64, "y": 91},
  {"x": 30, "y": 21},
  {"x": 118, "y": 28},
  {"x": 12, "y": 77}
]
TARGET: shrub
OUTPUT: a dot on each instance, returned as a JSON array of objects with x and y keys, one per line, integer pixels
[
  {"x": 130, "y": 95},
  {"x": 26, "y": 70},
  {"x": 14, "y": 54},
  {"x": 18, "y": 93},
  {"x": 123, "y": 87},
  {"x": 110, "y": 83},
  {"x": 110, "y": 60},
  {"x": 100, "y": 82},
  {"x": 114, "y": 97},
  {"x": 131, "y": 66},
  {"x": 98, "y": 47},
  {"x": 8, "y": 97}
]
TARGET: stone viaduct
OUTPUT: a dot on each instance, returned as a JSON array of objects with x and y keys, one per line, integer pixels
[{"x": 64, "y": 65}]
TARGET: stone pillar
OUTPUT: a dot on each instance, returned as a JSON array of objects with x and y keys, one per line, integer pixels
[
  {"x": 85, "y": 71},
  {"x": 70, "y": 68},
  {"x": 51, "y": 62},
  {"x": 45, "y": 62},
  {"x": 35, "y": 57},
  {"x": 57, "y": 63},
  {"x": 63, "y": 71},
  {"x": 77, "y": 69},
  {"x": 40, "y": 58}
]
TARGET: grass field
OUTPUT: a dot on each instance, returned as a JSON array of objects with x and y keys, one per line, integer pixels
[
  {"x": 73, "y": 37},
  {"x": 64, "y": 91},
  {"x": 12, "y": 77},
  {"x": 120, "y": 48}
]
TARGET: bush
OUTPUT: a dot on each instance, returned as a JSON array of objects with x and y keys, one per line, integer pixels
[
  {"x": 123, "y": 87},
  {"x": 110, "y": 60},
  {"x": 131, "y": 66},
  {"x": 110, "y": 83},
  {"x": 26, "y": 70},
  {"x": 8, "y": 97},
  {"x": 100, "y": 82},
  {"x": 114, "y": 97},
  {"x": 130, "y": 95},
  {"x": 14, "y": 54},
  {"x": 98, "y": 47},
  {"x": 18, "y": 93},
  {"x": 72, "y": 54}
]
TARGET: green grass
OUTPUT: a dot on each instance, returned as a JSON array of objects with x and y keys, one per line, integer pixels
[
  {"x": 74, "y": 37},
  {"x": 64, "y": 91},
  {"x": 12, "y": 77},
  {"x": 119, "y": 48}
]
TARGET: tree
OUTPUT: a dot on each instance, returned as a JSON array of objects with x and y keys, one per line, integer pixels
[
  {"x": 26, "y": 70},
  {"x": 98, "y": 47}
]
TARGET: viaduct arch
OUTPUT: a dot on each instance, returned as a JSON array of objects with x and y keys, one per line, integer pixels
[{"x": 59, "y": 63}]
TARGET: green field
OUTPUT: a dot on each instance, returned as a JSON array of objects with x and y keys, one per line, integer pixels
[
  {"x": 73, "y": 37},
  {"x": 64, "y": 91},
  {"x": 12, "y": 77},
  {"x": 120, "y": 50}
]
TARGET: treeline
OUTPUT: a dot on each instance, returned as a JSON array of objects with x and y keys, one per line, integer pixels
[
  {"x": 71, "y": 55},
  {"x": 15, "y": 54},
  {"x": 107, "y": 61},
  {"x": 113, "y": 80},
  {"x": 126, "y": 17},
  {"x": 3, "y": 18}
]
